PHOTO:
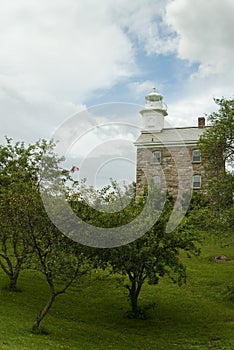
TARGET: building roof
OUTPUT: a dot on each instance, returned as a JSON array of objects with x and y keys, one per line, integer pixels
[{"x": 170, "y": 137}]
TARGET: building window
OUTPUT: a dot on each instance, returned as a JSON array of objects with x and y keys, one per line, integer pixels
[
  {"x": 196, "y": 181},
  {"x": 157, "y": 180},
  {"x": 157, "y": 157},
  {"x": 196, "y": 156}
]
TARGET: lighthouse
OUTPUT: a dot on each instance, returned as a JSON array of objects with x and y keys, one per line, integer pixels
[
  {"x": 154, "y": 112},
  {"x": 169, "y": 156}
]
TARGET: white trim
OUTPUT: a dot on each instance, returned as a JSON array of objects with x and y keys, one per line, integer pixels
[
  {"x": 200, "y": 181},
  {"x": 166, "y": 144},
  {"x": 199, "y": 160}
]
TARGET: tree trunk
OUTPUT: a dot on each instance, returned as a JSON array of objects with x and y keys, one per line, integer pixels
[
  {"x": 43, "y": 313},
  {"x": 13, "y": 277},
  {"x": 13, "y": 282},
  {"x": 134, "y": 299},
  {"x": 134, "y": 292},
  {"x": 11, "y": 272}
]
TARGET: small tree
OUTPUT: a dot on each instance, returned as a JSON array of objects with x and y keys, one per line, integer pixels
[
  {"x": 19, "y": 204},
  {"x": 18, "y": 184},
  {"x": 149, "y": 257},
  {"x": 59, "y": 259},
  {"x": 14, "y": 239}
]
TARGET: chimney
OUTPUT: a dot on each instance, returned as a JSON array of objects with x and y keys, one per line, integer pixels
[{"x": 201, "y": 122}]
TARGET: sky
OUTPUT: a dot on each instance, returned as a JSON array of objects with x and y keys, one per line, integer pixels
[{"x": 63, "y": 58}]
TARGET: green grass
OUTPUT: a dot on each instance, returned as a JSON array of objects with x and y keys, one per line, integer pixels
[{"x": 89, "y": 316}]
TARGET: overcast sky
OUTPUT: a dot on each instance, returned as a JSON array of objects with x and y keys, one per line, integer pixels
[{"x": 59, "y": 57}]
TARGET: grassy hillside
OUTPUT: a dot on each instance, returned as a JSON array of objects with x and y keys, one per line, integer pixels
[{"x": 90, "y": 316}]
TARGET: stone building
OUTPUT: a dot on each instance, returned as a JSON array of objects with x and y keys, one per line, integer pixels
[{"x": 168, "y": 156}]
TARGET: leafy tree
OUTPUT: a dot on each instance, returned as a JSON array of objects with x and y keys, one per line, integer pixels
[
  {"x": 15, "y": 246},
  {"x": 27, "y": 235},
  {"x": 19, "y": 205},
  {"x": 59, "y": 259},
  {"x": 217, "y": 149},
  {"x": 149, "y": 257},
  {"x": 18, "y": 183}
]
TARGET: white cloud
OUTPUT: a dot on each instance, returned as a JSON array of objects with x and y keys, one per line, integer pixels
[
  {"x": 145, "y": 22},
  {"x": 91, "y": 131},
  {"x": 205, "y": 32},
  {"x": 186, "y": 111},
  {"x": 140, "y": 88},
  {"x": 53, "y": 57},
  {"x": 29, "y": 116},
  {"x": 62, "y": 49}
]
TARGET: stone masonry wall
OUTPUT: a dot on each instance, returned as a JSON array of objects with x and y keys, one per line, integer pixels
[{"x": 175, "y": 169}]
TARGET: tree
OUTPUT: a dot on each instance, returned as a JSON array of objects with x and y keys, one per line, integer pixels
[
  {"x": 149, "y": 257},
  {"x": 217, "y": 150},
  {"x": 59, "y": 259},
  {"x": 19, "y": 205},
  {"x": 15, "y": 247},
  {"x": 27, "y": 235},
  {"x": 18, "y": 183}
]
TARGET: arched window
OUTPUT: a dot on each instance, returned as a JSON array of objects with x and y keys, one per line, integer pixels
[
  {"x": 196, "y": 181},
  {"x": 196, "y": 156}
]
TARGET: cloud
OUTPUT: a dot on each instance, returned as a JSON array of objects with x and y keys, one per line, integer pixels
[
  {"x": 91, "y": 131},
  {"x": 62, "y": 49},
  {"x": 145, "y": 23},
  {"x": 57, "y": 56},
  {"x": 54, "y": 56},
  {"x": 110, "y": 159},
  {"x": 205, "y": 33},
  {"x": 140, "y": 88},
  {"x": 185, "y": 112},
  {"x": 30, "y": 116}
]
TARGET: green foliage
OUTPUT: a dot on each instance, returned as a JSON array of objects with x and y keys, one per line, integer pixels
[
  {"x": 216, "y": 143},
  {"x": 27, "y": 236},
  {"x": 106, "y": 207},
  {"x": 150, "y": 257},
  {"x": 19, "y": 166},
  {"x": 217, "y": 149},
  {"x": 21, "y": 208},
  {"x": 59, "y": 259}
]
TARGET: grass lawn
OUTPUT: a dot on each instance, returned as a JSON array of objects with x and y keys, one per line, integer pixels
[{"x": 90, "y": 316}]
